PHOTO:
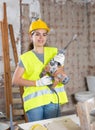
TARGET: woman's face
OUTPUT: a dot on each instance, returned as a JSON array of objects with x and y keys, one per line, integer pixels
[{"x": 39, "y": 37}]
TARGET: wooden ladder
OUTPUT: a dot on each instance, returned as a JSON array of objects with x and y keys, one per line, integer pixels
[{"x": 13, "y": 94}]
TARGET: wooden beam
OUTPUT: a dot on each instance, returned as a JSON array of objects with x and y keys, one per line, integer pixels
[
  {"x": 13, "y": 43},
  {"x": 7, "y": 70}
]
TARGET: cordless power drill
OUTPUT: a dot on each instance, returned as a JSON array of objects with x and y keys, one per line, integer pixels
[{"x": 55, "y": 69}]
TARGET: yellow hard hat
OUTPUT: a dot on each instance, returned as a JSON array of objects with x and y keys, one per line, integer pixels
[{"x": 38, "y": 24}]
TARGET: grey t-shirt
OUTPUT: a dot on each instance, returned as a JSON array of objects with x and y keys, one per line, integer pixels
[{"x": 40, "y": 56}]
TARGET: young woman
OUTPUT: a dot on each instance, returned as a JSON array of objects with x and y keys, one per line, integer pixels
[{"x": 39, "y": 101}]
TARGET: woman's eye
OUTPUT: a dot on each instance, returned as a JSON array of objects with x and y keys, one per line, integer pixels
[
  {"x": 45, "y": 34},
  {"x": 37, "y": 34}
]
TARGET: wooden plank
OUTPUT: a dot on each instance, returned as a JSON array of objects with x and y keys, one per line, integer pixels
[
  {"x": 7, "y": 70},
  {"x": 13, "y": 43}
]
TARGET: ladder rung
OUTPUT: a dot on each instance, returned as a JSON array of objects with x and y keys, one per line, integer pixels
[
  {"x": 18, "y": 112},
  {"x": 17, "y": 101},
  {"x": 20, "y": 121},
  {"x": 15, "y": 90}
]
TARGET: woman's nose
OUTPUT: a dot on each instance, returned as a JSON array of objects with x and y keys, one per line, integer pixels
[{"x": 41, "y": 35}]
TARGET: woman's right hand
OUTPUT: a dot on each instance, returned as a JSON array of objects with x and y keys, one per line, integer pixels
[{"x": 44, "y": 81}]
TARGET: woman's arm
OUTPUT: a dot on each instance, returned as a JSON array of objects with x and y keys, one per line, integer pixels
[{"x": 18, "y": 80}]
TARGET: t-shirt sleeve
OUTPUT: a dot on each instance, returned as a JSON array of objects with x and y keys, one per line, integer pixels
[{"x": 20, "y": 64}]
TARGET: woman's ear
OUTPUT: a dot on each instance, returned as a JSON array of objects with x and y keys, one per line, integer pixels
[{"x": 30, "y": 37}]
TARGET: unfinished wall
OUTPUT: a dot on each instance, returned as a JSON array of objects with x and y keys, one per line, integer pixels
[{"x": 65, "y": 20}]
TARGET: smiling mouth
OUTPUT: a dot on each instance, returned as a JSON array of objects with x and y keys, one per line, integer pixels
[{"x": 40, "y": 41}]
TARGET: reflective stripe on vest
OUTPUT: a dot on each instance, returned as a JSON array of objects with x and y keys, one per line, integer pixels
[{"x": 42, "y": 92}]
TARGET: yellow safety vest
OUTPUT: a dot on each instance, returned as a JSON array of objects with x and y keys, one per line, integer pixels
[{"x": 37, "y": 96}]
